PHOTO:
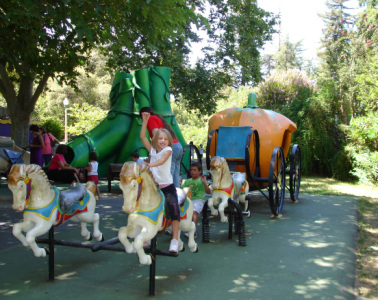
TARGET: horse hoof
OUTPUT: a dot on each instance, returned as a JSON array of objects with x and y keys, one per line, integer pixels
[
  {"x": 196, "y": 249},
  {"x": 90, "y": 237},
  {"x": 183, "y": 248}
]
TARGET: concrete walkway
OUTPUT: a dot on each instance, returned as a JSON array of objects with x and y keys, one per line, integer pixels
[{"x": 309, "y": 253}]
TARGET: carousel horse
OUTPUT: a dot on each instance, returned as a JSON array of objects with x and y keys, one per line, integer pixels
[
  {"x": 144, "y": 203},
  {"x": 225, "y": 186},
  {"x": 45, "y": 206}
]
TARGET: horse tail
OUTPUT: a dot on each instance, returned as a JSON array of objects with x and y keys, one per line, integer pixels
[{"x": 91, "y": 186}]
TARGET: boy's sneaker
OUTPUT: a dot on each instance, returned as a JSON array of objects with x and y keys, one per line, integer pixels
[
  {"x": 147, "y": 243},
  {"x": 187, "y": 234},
  {"x": 173, "y": 247}
]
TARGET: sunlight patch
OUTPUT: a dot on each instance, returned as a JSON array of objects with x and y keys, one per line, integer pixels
[
  {"x": 65, "y": 276},
  {"x": 322, "y": 263},
  {"x": 317, "y": 244}
]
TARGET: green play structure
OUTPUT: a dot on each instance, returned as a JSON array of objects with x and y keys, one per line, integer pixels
[{"x": 117, "y": 136}]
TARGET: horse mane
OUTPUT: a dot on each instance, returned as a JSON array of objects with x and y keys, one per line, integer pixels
[
  {"x": 131, "y": 169},
  {"x": 147, "y": 170},
  {"x": 19, "y": 171}
]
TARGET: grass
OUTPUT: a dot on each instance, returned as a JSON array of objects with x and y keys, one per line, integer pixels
[{"x": 367, "y": 246}]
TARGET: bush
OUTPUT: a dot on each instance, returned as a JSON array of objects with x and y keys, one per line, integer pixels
[
  {"x": 363, "y": 148},
  {"x": 318, "y": 136},
  {"x": 294, "y": 95},
  {"x": 54, "y": 127},
  {"x": 343, "y": 166}
]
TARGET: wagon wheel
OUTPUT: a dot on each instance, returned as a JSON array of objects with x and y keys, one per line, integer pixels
[
  {"x": 295, "y": 172},
  {"x": 277, "y": 181}
]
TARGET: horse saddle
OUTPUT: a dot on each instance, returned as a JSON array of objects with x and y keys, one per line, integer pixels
[
  {"x": 71, "y": 196},
  {"x": 181, "y": 196}
]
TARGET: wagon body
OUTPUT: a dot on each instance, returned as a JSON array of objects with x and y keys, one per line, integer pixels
[{"x": 274, "y": 130}]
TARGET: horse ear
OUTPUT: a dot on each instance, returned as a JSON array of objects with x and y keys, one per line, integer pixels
[{"x": 143, "y": 166}]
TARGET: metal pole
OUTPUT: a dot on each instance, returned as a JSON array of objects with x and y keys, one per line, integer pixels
[
  {"x": 65, "y": 125},
  {"x": 51, "y": 254}
]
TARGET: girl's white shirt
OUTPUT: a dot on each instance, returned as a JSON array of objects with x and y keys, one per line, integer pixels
[
  {"x": 162, "y": 173},
  {"x": 94, "y": 168}
]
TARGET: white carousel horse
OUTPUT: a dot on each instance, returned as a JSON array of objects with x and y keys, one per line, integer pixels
[
  {"x": 225, "y": 186},
  {"x": 145, "y": 205},
  {"x": 8, "y": 143},
  {"x": 44, "y": 206}
]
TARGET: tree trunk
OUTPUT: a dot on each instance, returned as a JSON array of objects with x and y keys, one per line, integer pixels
[
  {"x": 20, "y": 109},
  {"x": 20, "y": 129},
  {"x": 22, "y": 105}
]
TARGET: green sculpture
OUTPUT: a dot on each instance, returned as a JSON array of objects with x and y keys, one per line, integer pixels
[{"x": 117, "y": 136}]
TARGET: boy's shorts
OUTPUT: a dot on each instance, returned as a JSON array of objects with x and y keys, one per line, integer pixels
[{"x": 198, "y": 205}]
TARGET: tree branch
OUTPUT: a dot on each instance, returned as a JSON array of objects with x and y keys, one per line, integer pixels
[
  {"x": 40, "y": 87},
  {"x": 6, "y": 86}
]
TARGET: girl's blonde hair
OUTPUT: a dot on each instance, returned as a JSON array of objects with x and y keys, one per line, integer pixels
[{"x": 154, "y": 141}]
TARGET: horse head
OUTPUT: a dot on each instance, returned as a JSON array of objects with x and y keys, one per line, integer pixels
[
  {"x": 219, "y": 171},
  {"x": 22, "y": 179},
  {"x": 134, "y": 180}
]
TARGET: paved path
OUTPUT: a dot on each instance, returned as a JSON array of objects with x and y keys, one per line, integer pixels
[{"x": 309, "y": 253}]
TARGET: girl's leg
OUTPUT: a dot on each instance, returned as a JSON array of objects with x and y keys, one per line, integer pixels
[
  {"x": 98, "y": 191},
  {"x": 174, "y": 211},
  {"x": 175, "y": 229}
]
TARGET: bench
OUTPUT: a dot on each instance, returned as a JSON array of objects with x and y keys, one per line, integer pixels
[{"x": 113, "y": 174}]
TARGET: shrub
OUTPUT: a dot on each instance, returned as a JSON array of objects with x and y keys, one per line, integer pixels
[
  {"x": 363, "y": 148},
  {"x": 54, "y": 127},
  {"x": 343, "y": 166},
  {"x": 294, "y": 95}
]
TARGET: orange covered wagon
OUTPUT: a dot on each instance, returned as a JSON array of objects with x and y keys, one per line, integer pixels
[{"x": 257, "y": 141}]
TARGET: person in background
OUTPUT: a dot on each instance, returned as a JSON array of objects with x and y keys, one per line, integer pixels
[
  {"x": 201, "y": 152},
  {"x": 92, "y": 170},
  {"x": 135, "y": 157},
  {"x": 198, "y": 187},
  {"x": 36, "y": 146},
  {"x": 59, "y": 170},
  {"x": 156, "y": 122},
  {"x": 47, "y": 150},
  {"x": 191, "y": 149}
]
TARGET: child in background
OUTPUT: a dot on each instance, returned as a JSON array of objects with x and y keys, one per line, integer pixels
[
  {"x": 135, "y": 157},
  {"x": 47, "y": 150},
  {"x": 160, "y": 150},
  {"x": 198, "y": 187},
  {"x": 36, "y": 146},
  {"x": 92, "y": 171},
  {"x": 59, "y": 170}
]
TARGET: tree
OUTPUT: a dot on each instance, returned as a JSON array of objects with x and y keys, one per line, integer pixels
[
  {"x": 41, "y": 40},
  {"x": 289, "y": 56},
  {"x": 93, "y": 85},
  {"x": 238, "y": 30},
  {"x": 333, "y": 78},
  {"x": 267, "y": 64}
]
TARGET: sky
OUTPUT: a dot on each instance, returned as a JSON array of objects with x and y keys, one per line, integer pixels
[{"x": 299, "y": 21}]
